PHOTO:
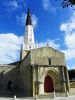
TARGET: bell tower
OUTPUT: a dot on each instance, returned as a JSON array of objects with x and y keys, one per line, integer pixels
[
  {"x": 29, "y": 34},
  {"x": 28, "y": 42}
]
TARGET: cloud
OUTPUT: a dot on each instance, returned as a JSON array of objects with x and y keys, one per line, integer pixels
[
  {"x": 69, "y": 26},
  {"x": 48, "y": 6},
  {"x": 34, "y": 20},
  {"x": 10, "y": 47},
  {"x": 69, "y": 37},
  {"x": 13, "y": 5},
  {"x": 69, "y": 53},
  {"x": 50, "y": 43},
  {"x": 22, "y": 19},
  {"x": 64, "y": 27},
  {"x": 71, "y": 67},
  {"x": 70, "y": 40}
]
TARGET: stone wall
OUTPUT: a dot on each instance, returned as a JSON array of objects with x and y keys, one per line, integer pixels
[
  {"x": 29, "y": 75},
  {"x": 8, "y": 73},
  {"x": 25, "y": 79},
  {"x": 40, "y": 60},
  {"x": 41, "y": 56}
]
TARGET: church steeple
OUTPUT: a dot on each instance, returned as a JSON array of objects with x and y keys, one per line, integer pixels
[
  {"x": 29, "y": 42},
  {"x": 28, "y": 20}
]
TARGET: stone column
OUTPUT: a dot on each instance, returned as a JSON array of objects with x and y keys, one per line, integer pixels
[
  {"x": 63, "y": 76},
  {"x": 67, "y": 79},
  {"x": 35, "y": 81}
]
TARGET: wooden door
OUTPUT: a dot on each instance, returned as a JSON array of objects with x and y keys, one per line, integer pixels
[{"x": 48, "y": 84}]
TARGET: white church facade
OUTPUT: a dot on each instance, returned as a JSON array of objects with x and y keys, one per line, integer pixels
[{"x": 40, "y": 71}]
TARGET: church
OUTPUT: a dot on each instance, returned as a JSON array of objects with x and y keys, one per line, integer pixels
[{"x": 40, "y": 71}]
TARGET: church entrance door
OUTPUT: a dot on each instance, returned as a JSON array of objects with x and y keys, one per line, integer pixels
[{"x": 48, "y": 84}]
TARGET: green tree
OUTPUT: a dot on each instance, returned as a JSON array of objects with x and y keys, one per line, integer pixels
[
  {"x": 66, "y": 3},
  {"x": 71, "y": 74}
]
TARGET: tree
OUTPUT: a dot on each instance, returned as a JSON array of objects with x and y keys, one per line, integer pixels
[
  {"x": 71, "y": 74},
  {"x": 66, "y": 3}
]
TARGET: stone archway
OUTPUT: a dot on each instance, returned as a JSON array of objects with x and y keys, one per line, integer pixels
[{"x": 48, "y": 84}]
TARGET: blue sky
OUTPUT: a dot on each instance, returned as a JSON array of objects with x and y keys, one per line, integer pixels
[{"x": 52, "y": 24}]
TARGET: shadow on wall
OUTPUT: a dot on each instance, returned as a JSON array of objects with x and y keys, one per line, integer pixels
[{"x": 9, "y": 83}]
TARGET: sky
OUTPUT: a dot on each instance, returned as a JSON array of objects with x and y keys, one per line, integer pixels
[{"x": 52, "y": 25}]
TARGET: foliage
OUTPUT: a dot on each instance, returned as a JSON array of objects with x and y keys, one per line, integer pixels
[
  {"x": 71, "y": 74},
  {"x": 66, "y": 3}
]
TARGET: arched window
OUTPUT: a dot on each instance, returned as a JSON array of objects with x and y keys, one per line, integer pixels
[{"x": 49, "y": 60}]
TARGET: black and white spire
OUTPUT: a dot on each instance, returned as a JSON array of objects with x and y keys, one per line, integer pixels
[
  {"x": 28, "y": 20},
  {"x": 29, "y": 42}
]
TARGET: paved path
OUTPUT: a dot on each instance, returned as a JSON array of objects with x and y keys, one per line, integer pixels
[{"x": 57, "y": 98}]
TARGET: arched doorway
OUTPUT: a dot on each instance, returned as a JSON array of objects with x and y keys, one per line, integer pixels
[{"x": 48, "y": 84}]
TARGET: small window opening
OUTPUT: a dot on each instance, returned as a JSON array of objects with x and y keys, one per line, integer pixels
[
  {"x": 29, "y": 47},
  {"x": 49, "y": 61}
]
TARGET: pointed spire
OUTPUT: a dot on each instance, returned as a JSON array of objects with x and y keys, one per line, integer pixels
[{"x": 28, "y": 20}]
